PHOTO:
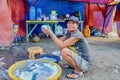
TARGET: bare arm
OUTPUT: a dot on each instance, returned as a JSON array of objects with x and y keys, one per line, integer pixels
[
  {"x": 62, "y": 42},
  {"x": 62, "y": 38}
]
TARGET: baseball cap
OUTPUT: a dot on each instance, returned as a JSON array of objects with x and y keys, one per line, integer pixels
[{"x": 73, "y": 18}]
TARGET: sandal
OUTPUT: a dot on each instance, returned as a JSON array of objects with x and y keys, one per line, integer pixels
[
  {"x": 67, "y": 66},
  {"x": 74, "y": 75}
]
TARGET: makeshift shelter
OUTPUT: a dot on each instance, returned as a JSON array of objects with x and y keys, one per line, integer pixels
[
  {"x": 18, "y": 14},
  {"x": 12, "y": 13},
  {"x": 97, "y": 13},
  {"x": 95, "y": 1},
  {"x": 117, "y": 19},
  {"x": 6, "y": 32},
  {"x": 100, "y": 14}
]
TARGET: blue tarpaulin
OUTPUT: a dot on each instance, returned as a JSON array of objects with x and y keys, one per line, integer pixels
[{"x": 62, "y": 7}]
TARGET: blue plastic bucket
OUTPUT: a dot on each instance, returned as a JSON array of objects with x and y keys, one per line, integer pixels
[{"x": 49, "y": 57}]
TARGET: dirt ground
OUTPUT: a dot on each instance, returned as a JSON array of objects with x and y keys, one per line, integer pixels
[{"x": 104, "y": 54}]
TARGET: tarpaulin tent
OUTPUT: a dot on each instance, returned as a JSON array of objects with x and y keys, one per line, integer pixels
[
  {"x": 12, "y": 12},
  {"x": 117, "y": 14},
  {"x": 62, "y": 7},
  {"x": 18, "y": 9},
  {"x": 100, "y": 14},
  {"x": 96, "y": 1},
  {"x": 117, "y": 19}
]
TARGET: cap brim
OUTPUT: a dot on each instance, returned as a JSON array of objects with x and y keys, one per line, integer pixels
[{"x": 71, "y": 20}]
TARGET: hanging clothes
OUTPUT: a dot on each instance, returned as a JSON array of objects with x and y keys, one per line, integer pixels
[
  {"x": 18, "y": 11},
  {"x": 6, "y": 31}
]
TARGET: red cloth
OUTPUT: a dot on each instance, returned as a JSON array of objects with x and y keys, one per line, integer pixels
[
  {"x": 117, "y": 16},
  {"x": 18, "y": 8},
  {"x": 90, "y": 12},
  {"x": 99, "y": 16},
  {"x": 118, "y": 28},
  {"x": 96, "y": 1},
  {"x": 6, "y": 31}
]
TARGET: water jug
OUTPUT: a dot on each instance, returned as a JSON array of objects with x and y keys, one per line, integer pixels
[
  {"x": 32, "y": 13},
  {"x": 53, "y": 15},
  {"x": 59, "y": 30},
  {"x": 86, "y": 31},
  {"x": 19, "y": 38},
  {"x": 39, "y": 14}
]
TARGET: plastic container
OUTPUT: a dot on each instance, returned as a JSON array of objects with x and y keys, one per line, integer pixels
[
  {"x": 32, "y": 13},
  {"x": 86, "y": 31},
  {"x": 22, "y": 64},
  {"x": 39, "y": 14},
  {"x": 19, "y": 38},
  {"x": 53, "y": 15},
  {"x": 50, "y": 57},
  {"x": 57, "y": 53},
  {"x": 59, "y": 30}
]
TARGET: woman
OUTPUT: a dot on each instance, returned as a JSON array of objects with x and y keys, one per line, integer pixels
[{"x": 73, "y": 46}]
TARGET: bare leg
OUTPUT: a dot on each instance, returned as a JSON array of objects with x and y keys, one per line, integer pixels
[{"x": 67, "y": 55}]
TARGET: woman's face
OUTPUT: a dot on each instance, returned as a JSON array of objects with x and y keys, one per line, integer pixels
[{"x": 72, "y": 26}]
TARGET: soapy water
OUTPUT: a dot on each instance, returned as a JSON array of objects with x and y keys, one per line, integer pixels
[{"x": 37, "y": 71}]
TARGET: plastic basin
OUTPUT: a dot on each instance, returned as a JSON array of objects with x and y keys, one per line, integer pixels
[{"x": 22, "y": 64}]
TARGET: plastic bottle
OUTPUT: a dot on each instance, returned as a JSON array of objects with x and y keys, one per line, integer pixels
[
  {"x": 86, "y": 31},
  {"x": 53, "y": 15},
  {"x": 19, "y": 38},
  {"x": 39, "y": 14},
  {"x": 59, "y": 30},
  {"x": 32, "y": 13}
]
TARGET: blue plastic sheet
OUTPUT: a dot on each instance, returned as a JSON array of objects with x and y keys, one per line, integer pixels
[{"x": 62, "y": 7}]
